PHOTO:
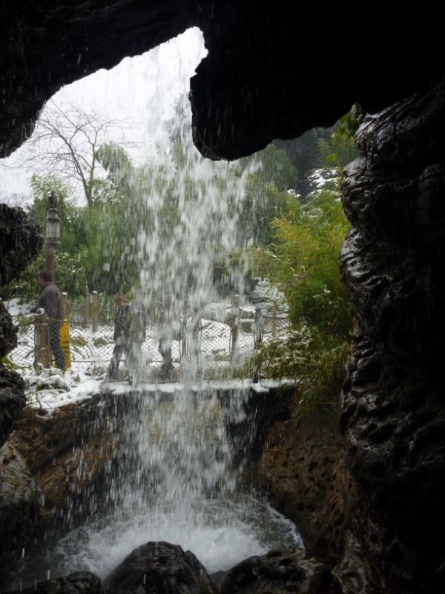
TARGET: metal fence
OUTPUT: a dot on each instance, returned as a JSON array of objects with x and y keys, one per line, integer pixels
[{"x": 220, "y": 340}]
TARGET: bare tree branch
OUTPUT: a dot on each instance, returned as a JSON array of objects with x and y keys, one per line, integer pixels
[{"x": 65, "y": 143}]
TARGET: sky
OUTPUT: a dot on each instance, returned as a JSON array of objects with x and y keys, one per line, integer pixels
[{"x": 141, "y": 91}]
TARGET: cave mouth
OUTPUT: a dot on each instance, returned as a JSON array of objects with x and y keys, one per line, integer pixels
[{"x": 139, "y": 96}]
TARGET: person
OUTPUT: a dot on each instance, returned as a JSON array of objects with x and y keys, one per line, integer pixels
[
  {"x": 121, "y": 336},
  {"x": 50, "y": 300},
  {"x": 169, "y": 331},
  {"x": 137, "y": 335}
]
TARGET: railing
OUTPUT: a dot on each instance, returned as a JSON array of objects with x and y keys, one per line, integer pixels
[{"x": 217, "y": 342}]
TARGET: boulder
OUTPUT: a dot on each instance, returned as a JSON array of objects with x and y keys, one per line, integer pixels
[
  {"x": 81, "y": 582},
  {"x": 19, "y": 507},
  {"x": 12, "y": 400},
  {"x": 278, "y": 572},
  {"x": 160, "y": 567}
]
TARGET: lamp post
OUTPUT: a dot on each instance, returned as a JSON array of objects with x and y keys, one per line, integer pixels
[{"x": 52, "y": 231}]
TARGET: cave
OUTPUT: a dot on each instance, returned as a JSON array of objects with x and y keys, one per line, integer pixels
[{"x": 274, "y": 72}]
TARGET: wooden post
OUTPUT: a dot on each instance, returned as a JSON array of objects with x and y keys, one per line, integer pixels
[
  {"x": 86, "y": 314},
  {"x": 50, "y": 259},
  {"x": 64, "y": 305},
  {"x": 65, "y": 332},
  {"x": 258, "y": 327},
  {"x": 42, "y": 351},
  {"x": 274, "y": 318},
  {"x": 234, "y": 329},
  {"x": 195, "y": 340},
  {"x": 95, "y": 310}
]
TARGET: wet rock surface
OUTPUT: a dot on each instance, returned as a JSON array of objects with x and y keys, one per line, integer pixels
[
  {"x": 19, "y": 506},
  {"x": 8, "y": 332},
  {"x": 249, "y": 90},
  {"x": 160, "y": 567},
  {"x": 393, "y": 416},
  {"x": 12, "y": 401},
  {"x": 303, "y": 472},
  {"x": 82, "y": 582},
  {"x": 12, "y": 386},
  {"x": 68, "y": 460},
  {"x": 21, "y": 240},
  {"x": 278, "y": 572}
]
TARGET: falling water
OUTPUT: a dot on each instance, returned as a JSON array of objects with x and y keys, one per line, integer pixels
[{"x": 182, "y": 480}]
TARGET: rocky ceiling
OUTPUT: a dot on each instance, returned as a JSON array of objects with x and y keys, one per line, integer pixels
[{"x": 274, "y": 70}]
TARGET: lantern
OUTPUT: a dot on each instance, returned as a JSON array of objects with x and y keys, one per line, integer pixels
[{"x": 52, "y": 231}]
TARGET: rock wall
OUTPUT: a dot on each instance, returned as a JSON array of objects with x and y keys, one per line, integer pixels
[
  {"x": 393, "y": 416},
  {"x": 20, "y": 242},
  {"x": 303, "y": 472}
]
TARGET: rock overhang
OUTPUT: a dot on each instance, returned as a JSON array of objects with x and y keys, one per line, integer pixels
[{"x": 272, "y": 70}]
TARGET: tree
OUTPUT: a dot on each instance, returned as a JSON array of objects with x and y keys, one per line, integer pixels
[
  {"x": 269, "y": 175},
  {"x": 65, "y": 143},
  {"x": 303, "y": 151}
]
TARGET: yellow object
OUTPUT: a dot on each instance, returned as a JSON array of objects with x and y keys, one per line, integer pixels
[{"x": 65, "y": 342}]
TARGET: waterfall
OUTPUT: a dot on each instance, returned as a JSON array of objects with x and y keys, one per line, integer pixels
[
  {"x": 181, "y": 480},
  {"x": 181, "y": 477}
]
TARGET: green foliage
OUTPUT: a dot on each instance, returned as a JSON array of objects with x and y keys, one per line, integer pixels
[
  {"x": 303, "y": 263},
  {"x": 272, "y": 165},
  {"x": 303, "y": 151},
  {"x": 313, "y": 359},
  {"x": 115, "y": 160},
  {"x": 348, "y": 125},
  {"x": 340, "y": 149},
  {"x": 336, "y": 154},
  {"x": 69, "y": 275},
  {"x": 268, "y": 175},
  {"x": 325, "y": 147},
  {"x": 108, "y": 254}
]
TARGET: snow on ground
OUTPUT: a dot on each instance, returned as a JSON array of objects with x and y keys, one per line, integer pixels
[{"x": 51, "y": 388}]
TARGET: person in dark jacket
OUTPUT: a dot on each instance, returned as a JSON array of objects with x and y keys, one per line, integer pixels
[
  {"x": 170, "y": 330},
  {"x": 122, "y": 339},
  {"x": 50, "y": 300},
  {"x": 138, "y": 331}
]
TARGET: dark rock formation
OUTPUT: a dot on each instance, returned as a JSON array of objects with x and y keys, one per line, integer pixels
[
  {"x": 70, "y": 455},
  {"x": 393, "y": 410},
  {"x": 278, "y": 572},
  {"x": 19, "y": 504},
  {"x": 303, "y": 471},
  {"x": 160, "y": 567},
  {"x": 21, "y": 240},
  {"x": 8, "y": 332},
  {"x": 12, "y": 395},
  {"x": 274, "y": 78},
  {"x": 81, "y": 582},
  {"x": 12, "y": 401},
  {"x": 51, "y": 468},
  {"x": 164, "y": 567}
]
